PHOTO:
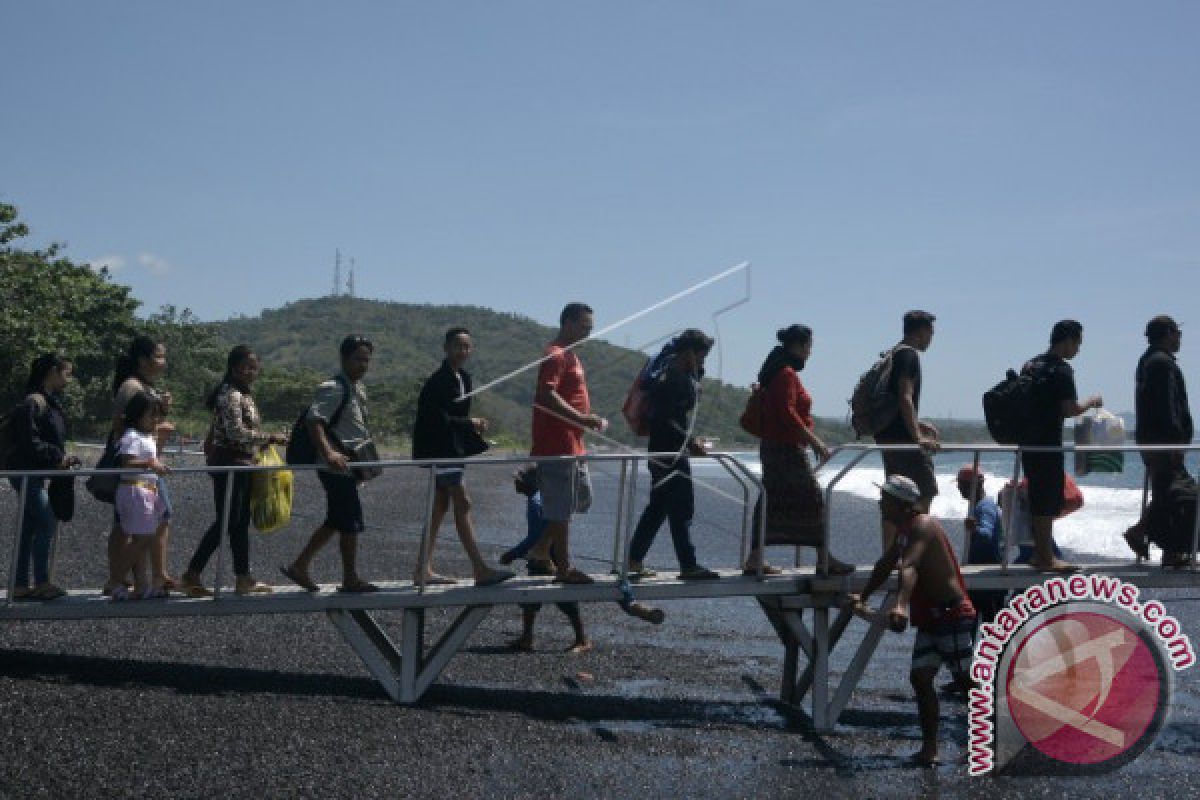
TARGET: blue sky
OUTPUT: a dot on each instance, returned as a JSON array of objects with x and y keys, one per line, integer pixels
[{"x": 1003, "y": 165}]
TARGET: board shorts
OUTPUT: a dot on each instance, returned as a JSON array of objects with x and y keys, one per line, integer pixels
[
  {"x": 1047, "y": 480},
  {"x": 914, "y": 465},
  {"x": 950, "y": 642},
  {"x": 343, "y": 509},
  {"x": 566, "y": 488}
]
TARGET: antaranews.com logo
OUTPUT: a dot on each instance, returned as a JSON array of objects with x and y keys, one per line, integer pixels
[{"x": 1075, "y": 676}]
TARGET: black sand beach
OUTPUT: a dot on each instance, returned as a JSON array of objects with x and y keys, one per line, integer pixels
[{"x": 278, "y": 706}]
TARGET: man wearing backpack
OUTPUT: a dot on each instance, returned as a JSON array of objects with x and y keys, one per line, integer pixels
[
  {"x": 1163, "y": 417},
  {"x": 337, "y": 425},
  {"x": 673, "y": 394},
  {"x": 904, "y": 383},
  {"x": 1054, "y": 400}
]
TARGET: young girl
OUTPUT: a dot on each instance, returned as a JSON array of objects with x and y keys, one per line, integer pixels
[{"x": 140, "y": 506}]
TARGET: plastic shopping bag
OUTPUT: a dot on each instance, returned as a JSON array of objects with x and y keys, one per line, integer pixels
[
  {"x": 1102, "y": 429},
  {"x": 270, "y": 493}
]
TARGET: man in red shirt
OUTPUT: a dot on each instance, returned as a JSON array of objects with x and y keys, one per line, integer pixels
[{"x": 561, "y": 412}]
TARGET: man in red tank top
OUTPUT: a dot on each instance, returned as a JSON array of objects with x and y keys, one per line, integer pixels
[{"x": 931, "y": 583}]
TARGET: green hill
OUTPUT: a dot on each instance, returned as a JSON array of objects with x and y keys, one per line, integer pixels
[{"x": 301, "y": 338}]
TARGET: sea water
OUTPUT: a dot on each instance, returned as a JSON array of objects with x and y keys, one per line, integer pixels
[{"x": 1111, "y": 501}]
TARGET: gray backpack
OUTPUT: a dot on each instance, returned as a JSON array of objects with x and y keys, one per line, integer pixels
[{"x": 873, "y": 405}]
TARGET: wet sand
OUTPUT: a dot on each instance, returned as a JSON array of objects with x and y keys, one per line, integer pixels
[{"x": 278, "y": 706}]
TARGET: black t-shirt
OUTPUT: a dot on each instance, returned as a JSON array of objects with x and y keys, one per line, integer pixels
[
  {"x": 905, "y": 362},
  {"x": 1054, "y": 382},
  {"x": 672, "y": 398}
]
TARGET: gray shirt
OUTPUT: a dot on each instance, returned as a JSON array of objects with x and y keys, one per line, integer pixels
[{"x": 351, "y": 428}]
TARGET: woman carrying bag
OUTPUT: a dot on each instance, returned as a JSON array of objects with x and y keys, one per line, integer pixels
[
  {"x": 795, "y": 505},
  {"x": 40, "y": 437},
  {"x": 235, "y": 439}
]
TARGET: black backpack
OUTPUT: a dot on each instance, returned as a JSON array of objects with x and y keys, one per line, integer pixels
[
  {"x": 301, "y": 449},
  {"x": 873, "y": 405},
  {"x": 1008, "y": 407}
]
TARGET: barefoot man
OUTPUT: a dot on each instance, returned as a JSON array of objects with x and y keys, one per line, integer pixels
[{"x": 930, "y": 581}]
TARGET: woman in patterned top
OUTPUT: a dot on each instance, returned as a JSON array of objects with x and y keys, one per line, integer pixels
[{"x": 235, "y": 438}]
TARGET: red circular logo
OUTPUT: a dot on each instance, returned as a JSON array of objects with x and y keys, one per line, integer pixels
[{"x": 1085, "y": 688}]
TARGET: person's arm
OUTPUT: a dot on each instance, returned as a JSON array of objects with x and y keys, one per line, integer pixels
[
  {"x": 918, "y": 540},
  {"x": 883, "y": 568},
  {"x": 1164, "y": 400},
  {"x": 230, "y": 408},
  {"x": 1071, "y": 407},
  {"x": 906, "y": 390},
  {"x": 46, "y": 454},
  {"x": 127, "y": 458},
  {"x": 329, "y": 397},
  {"x": 548, "y": 398}
]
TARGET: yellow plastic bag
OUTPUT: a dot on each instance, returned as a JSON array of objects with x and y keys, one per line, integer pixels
[{"x": 270, "y": 493}]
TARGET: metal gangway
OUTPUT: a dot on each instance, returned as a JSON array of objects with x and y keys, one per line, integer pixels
[{"x": 405, "y": 671}]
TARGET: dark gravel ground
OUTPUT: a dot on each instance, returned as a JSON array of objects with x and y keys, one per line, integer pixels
[{"x": 278, "y": 706}]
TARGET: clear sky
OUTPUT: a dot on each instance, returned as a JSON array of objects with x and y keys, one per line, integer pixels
[{"x": 1002, "y": 165}]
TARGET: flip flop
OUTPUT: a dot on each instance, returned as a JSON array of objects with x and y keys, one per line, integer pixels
[
  {"x": 499, "y": 576},
  {"x": 766, "y": 570},
  {"x": 439, "y": 580},
  {"x": 294, "y": 576}
]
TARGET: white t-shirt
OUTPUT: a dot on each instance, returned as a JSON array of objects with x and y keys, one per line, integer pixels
[{"x": 140, "y": 446}]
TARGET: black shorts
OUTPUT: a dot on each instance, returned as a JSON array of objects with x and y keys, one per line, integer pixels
[
  {"x": 917, "y": 466},
  {"x": 1046, "y": 482},
  {"x": 343, "y": 508}
]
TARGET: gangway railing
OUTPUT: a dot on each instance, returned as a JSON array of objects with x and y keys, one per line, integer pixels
[
  {"x": 406, "y": 672},
  {"x": 859, "y": 452},
  {"x": 750, "y": 484}
]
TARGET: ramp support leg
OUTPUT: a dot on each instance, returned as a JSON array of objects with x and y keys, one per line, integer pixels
[{"x": 407, "y": 673}]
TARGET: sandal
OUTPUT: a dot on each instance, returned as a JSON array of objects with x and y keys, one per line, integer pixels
[
  {"x": 303, "y": 581},
  {"x": 574, "y": 577},
  {"x": 47, "y": 591},
  {"x": 767, "y": 569}
]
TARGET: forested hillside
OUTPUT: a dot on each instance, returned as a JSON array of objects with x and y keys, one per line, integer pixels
[{"x": 302, "y": 338}]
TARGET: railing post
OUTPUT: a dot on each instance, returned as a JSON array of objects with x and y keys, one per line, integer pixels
[
  {"x": 971, "y": 501},
  {"x": 616, "y": 557},
  {"x": 1195, "y": 534},
  {"x": 623, "y": 568},
  {"x": 1011, "y": 512},
  {"x": 15, "y": 560},
  {"x": 426, "y": 530},
  {"x": 224, "y": 542}
]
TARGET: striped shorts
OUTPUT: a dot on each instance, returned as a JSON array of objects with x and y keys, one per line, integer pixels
[{"x": 950, "y": 642}]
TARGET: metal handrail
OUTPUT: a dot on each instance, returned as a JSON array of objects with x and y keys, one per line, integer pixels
[
  {"x": 621, "y": 534},
  {"x": 863, "y": 450}
]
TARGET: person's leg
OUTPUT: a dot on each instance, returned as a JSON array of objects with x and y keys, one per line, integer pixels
[
  {"x": 158, "y": 552},
  {"x": 441, "y": 502},
  {"x": 928, "y": 712},
  {"x": 29, "y": 526},
  {"x": 1046, "y": 482},
  {"x": 38, "y": 511},
  {"x": 212, "y": 537},
  {"x": 460, "y": 501},
  {"x": 117, "y": 542},
  {"x": 649, "y": 522},
  {"x": 348, "y": 548},
  {"x": 239, "y": 524},
  {"x": 681, "y": 508},
  {"x": 524, "y": 642},
  {"x": 582, "y": 643},
  {"x": 320, "y": 537},
  {"x": 554, "y": 543}
]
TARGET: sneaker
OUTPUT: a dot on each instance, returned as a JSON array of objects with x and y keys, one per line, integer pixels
[
  {"x": 47, "y": 591},
  {"x": 191, "y": 586},
  {"x": 247, "y": 584},
  {"x": 698, "y": 573},
  {"x": 637, "y": 572}
]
